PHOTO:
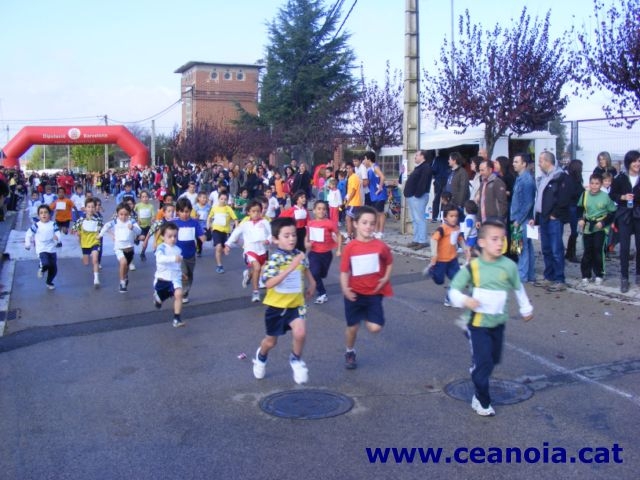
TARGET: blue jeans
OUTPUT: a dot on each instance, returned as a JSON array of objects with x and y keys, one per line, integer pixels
[
  {"x": 527, "y": 261},
  {"x": 552, "y": 249},
  {"x": 417, "y": 206}
]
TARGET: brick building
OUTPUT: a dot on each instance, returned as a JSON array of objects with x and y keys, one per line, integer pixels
[{"x": 209, "y": 91}]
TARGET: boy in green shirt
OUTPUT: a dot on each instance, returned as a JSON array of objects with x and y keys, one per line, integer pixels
[
  {"x": 490, "y": 277},
  {"x": 596, "y": 211}
]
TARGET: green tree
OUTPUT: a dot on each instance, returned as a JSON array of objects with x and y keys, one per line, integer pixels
[
  {"x": 559, "y": 128},
  {"x": 509, "y": 78},
  {"x": 308, "y": 87},
  {"x": 89, "y": 157}
]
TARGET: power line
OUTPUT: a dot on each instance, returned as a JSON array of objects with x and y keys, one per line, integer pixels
[{"x": 156, "y": 115}]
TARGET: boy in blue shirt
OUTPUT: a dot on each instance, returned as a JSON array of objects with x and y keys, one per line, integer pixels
[{"x": 189, "y": 229}]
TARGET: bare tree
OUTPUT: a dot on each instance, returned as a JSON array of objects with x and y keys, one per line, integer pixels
[
  {"x": 611, "y": 59},
  {"x": 509, "y": 78},
  {"x": 378, "y": 113}
]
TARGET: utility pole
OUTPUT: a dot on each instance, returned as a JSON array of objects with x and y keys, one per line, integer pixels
[
  {"x": 153, "y": 143},
  {"x": 106, "y": 148},
  {"x": 411, "y": 123}
]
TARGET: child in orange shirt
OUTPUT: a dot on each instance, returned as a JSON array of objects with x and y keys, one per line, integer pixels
[
  {"x": 444, "y": 248},
  {"x": 63, "y": 208}
]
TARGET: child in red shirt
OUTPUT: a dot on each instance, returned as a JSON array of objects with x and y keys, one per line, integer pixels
[
  {"x": 365, "y": 270},
  {"x": 322, "y": 238},
  {"x": 299, "y": 213}
]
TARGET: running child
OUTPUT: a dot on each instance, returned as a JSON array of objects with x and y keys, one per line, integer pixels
[
  {"x": 596, "y": 211},
  {"x": 468, "y": 227},
  {"x": 63, "y": 208},
  {"x": 169, "y": 213},
  {"x": 124, "y": 232},
  {"x": 444, "y": 248},
  {"x": 33, "y": 205},
  {"x": 219, "y": 223},
  {"x": 334, "y": 199},
  {"x": 284, "y": 276},
  {"x": 322, "y": 239},
  {"x": 365, "y": 270},
  {"x": 299, "y": 212},
  {"x": 45, "y": 234},
  {"x": 78, "y": 198},
  {"x": 273, "y": 207},
  {"x": 88, "y": 229},
  {"x": 240, "y": 203},
  {"x": 167, "y": 281},
  {"x": 490, "y": 277},
  {"x": 145, "y": 212},
  {"x": 255, "y": 234},
  {"x": 189, "y": 230},
  {"x": 200, "y": 212}
]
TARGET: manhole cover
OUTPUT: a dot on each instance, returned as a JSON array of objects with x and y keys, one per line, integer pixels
[
  {"x": 306, "y": 404},
  {"x": 503, "y": 392}
]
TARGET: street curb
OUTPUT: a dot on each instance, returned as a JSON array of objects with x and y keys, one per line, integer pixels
[{"x": 6, "y": 275}]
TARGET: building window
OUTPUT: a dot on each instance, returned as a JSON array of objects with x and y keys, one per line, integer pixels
[
  {"x": 227, "y": 74},
  {"x": 214, "y": 74},
  {"x": 239, "y": 75},
  {"x": 390, "y": 166}
]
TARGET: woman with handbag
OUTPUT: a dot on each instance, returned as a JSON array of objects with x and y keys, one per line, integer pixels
[{"x": 625, "y": 191}]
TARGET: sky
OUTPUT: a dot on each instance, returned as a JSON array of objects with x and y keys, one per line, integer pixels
[{"x": 70, "y": 62}]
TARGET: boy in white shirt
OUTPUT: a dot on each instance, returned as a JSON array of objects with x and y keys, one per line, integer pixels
[
  {"x": 124, "y": 232},
  {"x": 255, "y": 234},
  {"x": 45, "y": 235},
  {"x": 167, "y": 281}
]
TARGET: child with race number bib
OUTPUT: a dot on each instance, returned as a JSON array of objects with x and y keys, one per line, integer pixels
[
  {"x": 45, "y": 234},
  {"x": 200, "y": 212},
  {"x": 444, "y": 249},
  {"x": 219, "y": 223},
  {"x": 365, "y": 270},
  {"x": 33, "y": 205},
  {"x": 189, "y": 230},
  {"x": 124, "y": 232},
  {"x": 299, "y": 213},
  {"x": 255, "y": 233},
  {"x": 145, "y": 212},
  {"x": 323, "y": 237},
  {"x": 490, "y": 276},
  {"x": 167, "y": 281},
  {"x": 88, "y": 229},
  {"x": 284, "y": 276},
  {"x": 169, "y": 212}
]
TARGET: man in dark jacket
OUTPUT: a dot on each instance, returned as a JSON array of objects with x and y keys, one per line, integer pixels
[
  {"x": 440, "y": 169},
  {"x": 551, "y": 213},
  {"x": 416, "y": 191}
]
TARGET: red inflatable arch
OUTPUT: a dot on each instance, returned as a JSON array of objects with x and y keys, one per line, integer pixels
[{"x": 117, "y": 134}]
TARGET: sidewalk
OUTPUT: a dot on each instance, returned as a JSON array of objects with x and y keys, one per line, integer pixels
[
  {"x": 609, "y": 289},
  {"x": 6, "y": 265}
]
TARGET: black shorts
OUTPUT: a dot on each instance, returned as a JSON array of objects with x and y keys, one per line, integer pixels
[
  {"x": 219, "y": 237},
  {"x": 63, "y": 224},
  {"x": 352, "y": 211},
  {"x": 277, "y": 320},
  {"x": 378, "y": 205},
  {"x": 87, "y": 251},
  {"x": 365, "y": 307}
]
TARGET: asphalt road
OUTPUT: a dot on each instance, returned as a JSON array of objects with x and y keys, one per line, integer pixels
[{"x": 97, "y": 384}]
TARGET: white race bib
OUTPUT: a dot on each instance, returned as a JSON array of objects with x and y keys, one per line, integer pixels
[
  {"x": 365, "y": 264},
  {"x": 300, "y": 214},
  {"x": 492, "y": 302},
  {"x": 292, "y": 283},
  {"x": 316, "y": 234},
  {"x": 61, "y": 206},
  {"x": 90, "y": 225},
  {"x": 255, "y": 235},
  {"x": 145, "y": 213},
  {"x": 186, "y": 234},
  {"x": 454, "y": 238},
  {"x": 121, "y": 234},
  {"x": 220, "y": 219}
]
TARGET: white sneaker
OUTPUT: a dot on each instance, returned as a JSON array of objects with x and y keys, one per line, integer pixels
[
  {"x": 259, "y": 368},
  {"x": 598, "y": 281},
  {"x": 480, "y": 410},
  {"x": 40, "y": 273},
  {"x": 96, "y": 283},
  {"x": 300, "y": 371},
  {"x": 185, "y": 300},
  {"x": 245, "y": 278},
  {"x": 255, "y": 297},
  {"x": 584, "y": 282},
  {"x": 132, "y": 267},
  {"x": 321, "y": 299}
]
